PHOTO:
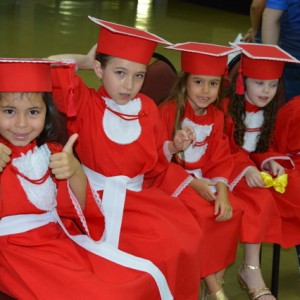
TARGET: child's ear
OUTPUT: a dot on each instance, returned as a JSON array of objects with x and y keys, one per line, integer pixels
[{"x": 98, "y": 69}]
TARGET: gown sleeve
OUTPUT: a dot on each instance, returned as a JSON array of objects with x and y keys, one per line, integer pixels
[
  {"x": 286, "y": 134},
  {"x": 90, "y": 220},
  {"x": 167, "y": 176},
  {"x": 220, "y": 159},
  {"x": 69, "y": 92}
]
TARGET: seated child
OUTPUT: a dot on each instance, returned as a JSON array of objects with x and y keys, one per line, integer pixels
[
  {"x": 192, "y": 104},
  {"x": 46, "y": 204},
  {"x": 125, "y": 159},
  {"x": 250, "y": 117}
]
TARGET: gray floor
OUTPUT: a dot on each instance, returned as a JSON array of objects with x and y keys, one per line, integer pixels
[{"x": 38, "y": 28}]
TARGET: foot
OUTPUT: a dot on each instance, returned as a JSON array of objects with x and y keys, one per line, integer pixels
[
  {"x": 219, "y": 295},
  {"x": 251, "y": 279},
  {"x": 213, "y": 288}
]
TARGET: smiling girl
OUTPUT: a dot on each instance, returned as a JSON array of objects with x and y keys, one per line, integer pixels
[
  {"x": 50, "y": 224},
  {"x": 250, "y": 118},
  {"x": 207, "y": 157}
]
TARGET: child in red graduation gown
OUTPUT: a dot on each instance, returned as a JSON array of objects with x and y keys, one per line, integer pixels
[
  {"x": 45, "y": 207},
  {"x": 207, "y": 158},
  {"x": 287, "y": 141},
  {"x": 250, "y": 118},
  {"x": 121, "y": 145}
]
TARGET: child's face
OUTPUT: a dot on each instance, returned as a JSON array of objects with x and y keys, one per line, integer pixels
[
  {"x": 22, "y": 117},
  {"x": 202, "y": 90},
  {"x": 260, "y": 92},
  {"x": 122, "y": 78}
]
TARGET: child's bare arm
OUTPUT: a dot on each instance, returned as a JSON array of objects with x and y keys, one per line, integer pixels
[{"x": 83, "y": 61}]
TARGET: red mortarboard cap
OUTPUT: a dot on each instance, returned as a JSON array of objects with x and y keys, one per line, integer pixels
[
  {"x": 126, "y": 42},
  {"x": 261, "y": 61},
  {"x": 202, "y": 58},
  {"x": 25, "y": 75}
]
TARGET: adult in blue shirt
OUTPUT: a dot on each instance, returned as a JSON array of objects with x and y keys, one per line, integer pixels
[
  {"x": 281, "y": 25},
  {"x": 253, "y": 35}
]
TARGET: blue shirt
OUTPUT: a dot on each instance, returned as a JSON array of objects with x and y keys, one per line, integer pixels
[{"x": 290, "y": 24}]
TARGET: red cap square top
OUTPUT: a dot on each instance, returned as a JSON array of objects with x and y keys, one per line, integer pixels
[
  {"x": 126, "y": 42},
  {"x": 25, "y": 75},
  {"x": 263, "y": 61},
  {"x": 203, "y": 58}
]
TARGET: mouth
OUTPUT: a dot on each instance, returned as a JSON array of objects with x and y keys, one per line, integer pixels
[
  {"x": 125, "y": 96},
  {"x": 203, "y": 99},
  {"x": 263, "y": 98},
  {"x": 20, "y": 136}
]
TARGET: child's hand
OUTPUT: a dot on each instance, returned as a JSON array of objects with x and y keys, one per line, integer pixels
[
  {"x": 5, "y": 153},
  {"x": 202, "y": 187},
  {"x": 275, "y": 168},
  {"x": 184, "y": 137},
  {"x": 223, "y": 208},
  {"x": 253, "y": 178},
  {"x": 64, "y": 165}
]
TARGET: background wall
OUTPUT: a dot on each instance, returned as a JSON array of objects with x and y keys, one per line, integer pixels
[{"x": 239, "y": 6}]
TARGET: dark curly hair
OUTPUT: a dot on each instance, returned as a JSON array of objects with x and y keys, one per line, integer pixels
[{"x": 238, "y": 113}]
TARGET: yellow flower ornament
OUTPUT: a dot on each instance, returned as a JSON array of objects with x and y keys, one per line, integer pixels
[{"x": 279, "y": 183}]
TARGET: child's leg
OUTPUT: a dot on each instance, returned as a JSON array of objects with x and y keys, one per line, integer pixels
[
  {"x": 211, "y": 284},
  {"x": 250, "y": 276}
]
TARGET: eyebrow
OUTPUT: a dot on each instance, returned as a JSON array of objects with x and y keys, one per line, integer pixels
[{"x": 213, "y": 79}]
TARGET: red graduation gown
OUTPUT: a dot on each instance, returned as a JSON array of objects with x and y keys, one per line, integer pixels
[
  {"x": 261, "y": 221},
  {"x": 44, "y": 263},
  {"x": 155, "y": 226},
  {"x": 220, "y": 239},
  {"x": 287, "y": 141}
]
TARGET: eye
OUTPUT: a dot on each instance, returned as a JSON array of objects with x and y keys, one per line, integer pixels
[
  {"x": 274, "y": 84},
  {"x": 140, "y": 75},
  {"x": 214, "y": 83},
  {"x": 120, "y": 73},
  {"x": 259, "y": 82},
  {"x": 34, "y": 112},
  {"x": 198, "y": 81},
  {"x": 9, "y": 111}
]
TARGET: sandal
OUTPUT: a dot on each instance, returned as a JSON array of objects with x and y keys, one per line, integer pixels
[
  {"x": 254, "y": 294},
  {"x": 219, "y": 295}
]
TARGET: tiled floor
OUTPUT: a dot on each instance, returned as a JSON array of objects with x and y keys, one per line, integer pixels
[{"x": 38, "y": 28}]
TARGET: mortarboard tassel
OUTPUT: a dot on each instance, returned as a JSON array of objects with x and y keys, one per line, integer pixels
[{"x": 239, "y": 88}]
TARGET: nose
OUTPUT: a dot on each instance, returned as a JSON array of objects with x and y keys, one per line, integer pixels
[
  {"x": 266, "y": 88},
  {"x": 205, "y": 88},
  {"x": 21, "y": 121},
  {"x": 128, "y": 83}
]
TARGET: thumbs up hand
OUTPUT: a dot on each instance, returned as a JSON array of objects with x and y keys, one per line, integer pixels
[
  {"x": 5, "y": 153},
  {"x": 64, "y": 165}
]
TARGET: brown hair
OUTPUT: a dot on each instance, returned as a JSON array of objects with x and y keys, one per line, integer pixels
[
  {"x": 103, "y": 59},
  {"x": 179, "y": 94}
]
